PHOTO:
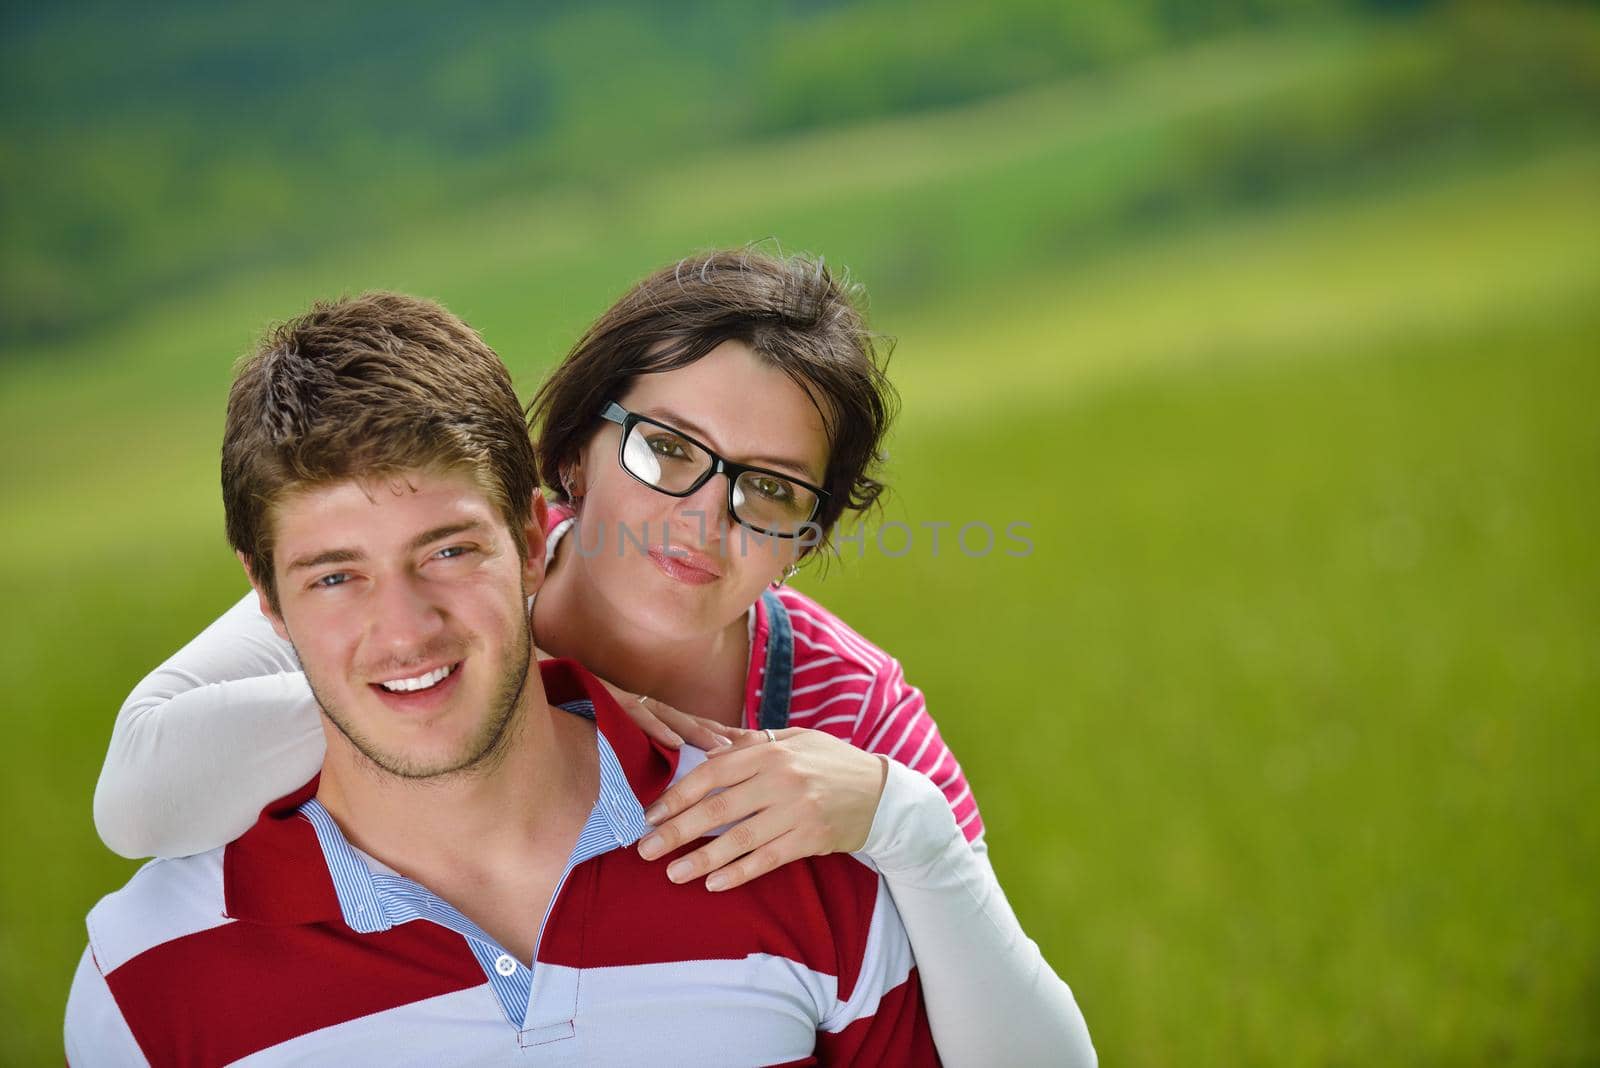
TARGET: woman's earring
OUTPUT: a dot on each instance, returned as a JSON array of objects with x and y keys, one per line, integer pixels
[
  {"x": 788, "y": 573},
  {"x": 569, "y": 485}
]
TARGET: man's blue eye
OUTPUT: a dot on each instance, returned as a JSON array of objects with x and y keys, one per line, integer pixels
[
  {"x": 452, "y": 552},
  {"x": 338, "y": 578}
]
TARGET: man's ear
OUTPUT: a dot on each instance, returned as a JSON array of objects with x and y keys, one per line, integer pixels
[
  {"x": 261, "y": 597},
  {"x": 533, "y": 536}
]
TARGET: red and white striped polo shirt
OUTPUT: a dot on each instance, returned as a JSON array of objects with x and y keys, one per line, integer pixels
[
  {"x": 848, "y": 687},
  {"x": 260, "y": 953}
]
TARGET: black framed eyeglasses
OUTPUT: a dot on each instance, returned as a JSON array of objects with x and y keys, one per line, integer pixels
[{"x": 671, "y": 462}]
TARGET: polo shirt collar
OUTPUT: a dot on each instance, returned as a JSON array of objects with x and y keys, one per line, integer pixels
[{"x": 278, "y": 872}]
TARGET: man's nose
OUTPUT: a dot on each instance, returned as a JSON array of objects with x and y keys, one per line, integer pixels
[{"x": 405, "y": 620}]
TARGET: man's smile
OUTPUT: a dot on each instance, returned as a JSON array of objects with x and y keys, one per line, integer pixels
[
  {"x": 420, "y": 692},
  {"x": 424, "y": 681}
]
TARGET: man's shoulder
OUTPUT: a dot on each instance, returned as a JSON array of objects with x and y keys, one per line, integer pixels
[
  {"x": 164, "y": 901},
  {"x": 820, "y": 913}
]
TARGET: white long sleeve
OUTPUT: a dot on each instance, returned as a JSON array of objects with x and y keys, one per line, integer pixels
[
  {"x": 208, "y": 739},
  {"x": 992, "y": 997}
]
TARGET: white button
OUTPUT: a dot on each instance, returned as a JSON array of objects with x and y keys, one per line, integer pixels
[{"x": 504, "y": 964}]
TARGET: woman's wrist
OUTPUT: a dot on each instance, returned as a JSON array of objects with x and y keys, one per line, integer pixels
[{"x": 913, "y": 825}]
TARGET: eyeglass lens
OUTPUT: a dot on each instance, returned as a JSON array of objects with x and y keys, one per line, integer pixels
[{"x": 671, "y": 463}]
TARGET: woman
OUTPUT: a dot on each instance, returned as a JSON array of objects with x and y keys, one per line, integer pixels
[{"x": 705, "y": 434}]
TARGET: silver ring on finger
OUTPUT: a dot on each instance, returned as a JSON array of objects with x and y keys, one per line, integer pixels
[{"x": 770, "y": 736}]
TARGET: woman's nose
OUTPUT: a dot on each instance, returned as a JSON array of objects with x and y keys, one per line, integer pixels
[{"x": 705, "y": 511}]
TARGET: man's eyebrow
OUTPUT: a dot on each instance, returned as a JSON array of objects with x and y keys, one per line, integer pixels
[
  {"x": 331, "y": 556},
  {"x": 667, "y": 415},
  {"x": 449, "y": 530},
  {"x": 351, "y": 556}
]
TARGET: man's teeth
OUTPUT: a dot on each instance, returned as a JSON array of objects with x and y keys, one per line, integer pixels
[{"x": 421, "y": 682}]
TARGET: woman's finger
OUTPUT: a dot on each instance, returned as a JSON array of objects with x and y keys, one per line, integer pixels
[
  {"x": 721, "y": 729},
  {"x": 666, "y": 724},
  {"x": 756, "y": 863},
  {"x": 746, "y": 739},
  {"x": 691, "y": 729},
  {"x": 646, "y": 720},
  {"x": 642, "y": 710},
  {"x": 747, "y": 836},
  {"x": 700, "y": 817},
  {"x": 709, "y": 776}
]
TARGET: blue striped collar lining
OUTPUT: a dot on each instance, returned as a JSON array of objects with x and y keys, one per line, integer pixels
[{"x": 372, "y": 898}]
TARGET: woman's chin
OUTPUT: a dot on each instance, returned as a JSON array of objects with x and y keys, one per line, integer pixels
[{"x": 677, "y": 611}]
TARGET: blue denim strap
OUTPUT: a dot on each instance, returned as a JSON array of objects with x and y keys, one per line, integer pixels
[{"x": 778, "y": 677}]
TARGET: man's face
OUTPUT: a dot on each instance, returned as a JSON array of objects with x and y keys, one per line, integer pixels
[{"x": 405, "y": 599}]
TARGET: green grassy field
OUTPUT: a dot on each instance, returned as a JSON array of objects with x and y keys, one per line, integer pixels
[
  {"x": 1283, "y": 732},
  {"x": 1288, "y": 725}
]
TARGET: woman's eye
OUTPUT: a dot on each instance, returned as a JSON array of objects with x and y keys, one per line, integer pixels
[
  {"x": 667, "y": 445},
  {"x": 774, "y": 489}
]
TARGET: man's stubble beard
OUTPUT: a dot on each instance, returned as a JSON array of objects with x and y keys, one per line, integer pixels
[{"x": 482, "y": 751}]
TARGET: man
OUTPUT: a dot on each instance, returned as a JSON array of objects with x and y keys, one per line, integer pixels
[{"x": 380, "y": 491}]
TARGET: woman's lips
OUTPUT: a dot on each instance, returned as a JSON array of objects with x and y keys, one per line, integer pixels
[{"x": 694, "y": 569}]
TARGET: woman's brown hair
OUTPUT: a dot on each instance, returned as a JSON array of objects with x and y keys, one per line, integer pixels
[{"x": 790, "y": 310}]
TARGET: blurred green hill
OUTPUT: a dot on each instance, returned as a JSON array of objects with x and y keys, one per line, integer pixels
[
  {"x": 146, "y": 152},
  {"x": 1275, "y": 322}
]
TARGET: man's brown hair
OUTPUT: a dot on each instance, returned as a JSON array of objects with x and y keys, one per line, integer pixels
[
  {"x": 790, "y": 310},
  {"x": 368, "y": 387}
]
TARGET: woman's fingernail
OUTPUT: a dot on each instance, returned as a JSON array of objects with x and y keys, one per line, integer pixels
[
  {"x": 721, "y": 741},
  {"x": 673, "y": 737},
  {"x": 716, "y": 881},
  {"x": 654, "y": 813},
  {"x": 679, "y": 870},
  {"x": 650, "y": 848}
]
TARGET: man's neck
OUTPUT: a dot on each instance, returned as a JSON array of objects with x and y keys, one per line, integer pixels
[{"x": 523, "y": 808}]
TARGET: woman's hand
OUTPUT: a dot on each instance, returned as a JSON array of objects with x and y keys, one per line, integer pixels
[
  {"x": 662, "y": 722},
  {"x": 802, "y": 794},
  {"x": 670, "y": 727}
]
